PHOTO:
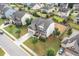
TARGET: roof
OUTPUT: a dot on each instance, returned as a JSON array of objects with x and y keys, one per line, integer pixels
[
  {"x": 63, "y": 5},
  {"x": 31, "y": 4},
  {"x": 18, "y": 14},
  {"x": 40, "y": 22},
  {"x": 47, "y": 7},
  {"x": 5, "y": 9},
  {"x": 2, "y": 6},
  {"x": 76, "y": 37}
]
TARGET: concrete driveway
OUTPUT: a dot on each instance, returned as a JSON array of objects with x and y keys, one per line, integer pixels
[{"x": 10, "y": 47}]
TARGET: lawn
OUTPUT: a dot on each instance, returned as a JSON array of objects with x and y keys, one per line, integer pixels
[
  {"x": 1, "y": 52},
  {"x": 13, "y": 28},
  {"x": 41, "y": 14},
  {"x": 41, "y": 47},
  {"x": 58, "y": 19},
  {"x": 73, "y": 25},
  {"x": 1, "y": 21}
]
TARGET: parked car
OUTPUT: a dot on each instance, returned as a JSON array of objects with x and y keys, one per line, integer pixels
[
  {"x": 1, "y": 32},
  {"x": 61, "y": 50},
  {"x": 6, "y": 22}
]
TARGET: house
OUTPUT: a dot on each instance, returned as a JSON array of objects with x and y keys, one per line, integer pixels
[
  {"x": 63, "y": 5},
  {"x": 20, "y": 17},
  {"x": 76, "y": 7},
  {"x": 64, "y": 11},
  {"x": 8, "y": 12},
  {"x": 2, "y": 6},
  {"x": 42, "y": 27},
  {"x": 35, "y": 5},
  {"x": 49, "y": 7},
  {"x": 72, "y": 43},
  {"x": 76, "y": 19}
]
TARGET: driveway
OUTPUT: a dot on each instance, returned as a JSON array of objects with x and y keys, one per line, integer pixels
[{"x": 10, "y": 47}]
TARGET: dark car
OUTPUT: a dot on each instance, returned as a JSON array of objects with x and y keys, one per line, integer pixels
[
  {"x": 61, "y": 50},
  {"x": 1, "y": 32},
  {"x": 7, "y": 22}
]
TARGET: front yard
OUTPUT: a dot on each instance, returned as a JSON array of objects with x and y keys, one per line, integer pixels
[
  {"x": 12, "y": 30},
  {"x": 1, "y": 52},
  {"x": 1, "y": 21},
  {"x": 41, "y": 47}
]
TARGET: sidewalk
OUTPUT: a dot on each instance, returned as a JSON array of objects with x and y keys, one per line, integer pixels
[
  {"x": 29, "y": 50},
  {"x": 9, "y": 34}
]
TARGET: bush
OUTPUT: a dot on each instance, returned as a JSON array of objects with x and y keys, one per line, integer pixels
[
  {"x": 50, "y": 52},
  {"x": 42, "y": 39},
  {"x": 34, "y": 40}
]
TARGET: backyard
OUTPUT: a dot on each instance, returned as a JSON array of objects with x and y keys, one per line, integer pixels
[
  {"x": 73, "y": 25},
  {"x": 1, "y": 52},
  {"x": 58, "y": 19},
  {"x": 41, "y": 47},
  {"x": 12, "y": 30}
]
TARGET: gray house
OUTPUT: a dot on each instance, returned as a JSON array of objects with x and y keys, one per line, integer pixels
[
  {"x": 64, "y": 11},
  {"x": 16, "y": 17},
  {"x": 19, "y": 17},
  {"x": 76, "y": 7},
  {"x": 41, "y": 27},
  {"x": 72, "y": 43},
  {"x": 76, "y": 19},
  {"x": 49, "y": 7},
  {"x": 2, "y": 7}
]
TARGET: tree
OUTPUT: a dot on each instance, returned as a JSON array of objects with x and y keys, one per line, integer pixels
[
  {"x": 69, "y": 31},
  {"x": 50, "y": 52},
  {"x": 34, "y": 40},
  {"x": 18, "y": 31},
  {"x": 28, "y": 21},
  {"x": 42, "y": 39},
  {"x": 56, "y": 32}
]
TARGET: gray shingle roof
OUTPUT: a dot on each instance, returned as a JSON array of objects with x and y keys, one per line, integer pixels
[
  {"x": 18, "y": 14},
  {"x": 41, "y": 22}
]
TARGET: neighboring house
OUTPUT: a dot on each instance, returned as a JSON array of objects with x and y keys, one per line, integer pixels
[
  {"x": 35, "y": 5},
  {"x": 76, "y": 7},
  {"x": 42, "y": 27},
  {"x": 63, "y": 5},
  {"x": 76, "y": 19},
  {"x": 63, "y": 10},
  {"x": 8, "y": 12},
  {"x": 20, "y": 17},
  {"x": 72, "y": 43},
  {"x": 48, "y": 8},
  {"x": 2, "y": 6},
  {"x": 64, "y": 13}
]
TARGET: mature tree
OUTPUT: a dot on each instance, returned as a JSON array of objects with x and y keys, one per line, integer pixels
[
  {"x": 56, "y": 32},
  {"x": 28, "y": 21},
  {"x": 69, "y": 31},
  {"x": 50, "y": 52},
  {"x": 42, "y": 39},
  {"x": 34, "y": 40}
]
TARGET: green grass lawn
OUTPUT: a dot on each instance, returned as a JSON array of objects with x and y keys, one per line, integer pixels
[
  {"x": 73, "y": 25},
  {"x": 1, "y": 21},
  {"x": 12, "y": 29},
  {"x": 1, "y": 52},
  {"x": 41, "y": 14},
  {"x": 41, "y": 47},
  {"x": 58, "y": 19}
]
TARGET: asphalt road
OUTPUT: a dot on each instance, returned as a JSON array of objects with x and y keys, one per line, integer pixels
[{"x": 11, "y": 48}]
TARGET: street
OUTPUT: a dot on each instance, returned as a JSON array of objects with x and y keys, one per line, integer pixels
[{"x": 11, "y": 48}]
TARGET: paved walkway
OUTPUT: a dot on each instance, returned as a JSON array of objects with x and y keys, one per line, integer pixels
[
  {"x": 23, "y": 38},
  {"x": 29, "y": 50}
]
